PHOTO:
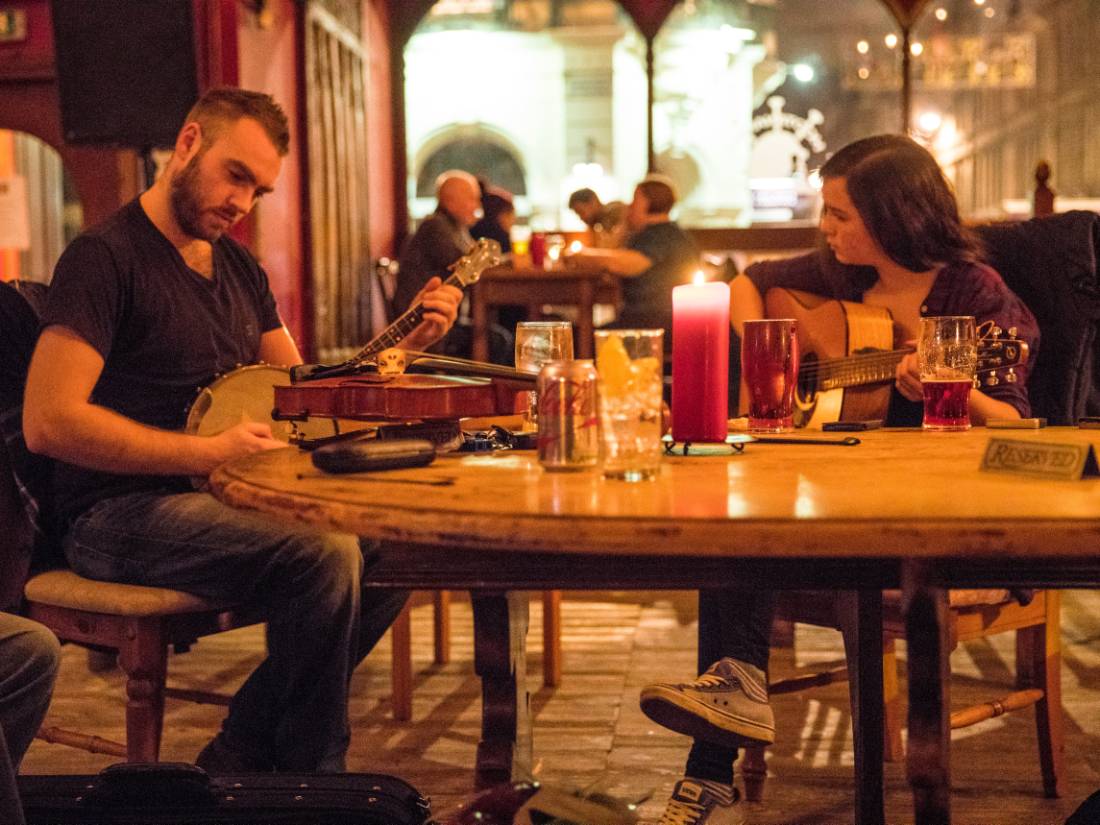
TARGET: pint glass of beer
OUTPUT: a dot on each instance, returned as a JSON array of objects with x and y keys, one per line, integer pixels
[
  {"x": 948, "y": 357},
  {"x": 769, "y": 367}
]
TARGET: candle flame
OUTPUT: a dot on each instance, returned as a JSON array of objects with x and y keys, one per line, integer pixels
[
  {"x": 699, "y": 277},
  {"x": 575, "y": 247}
]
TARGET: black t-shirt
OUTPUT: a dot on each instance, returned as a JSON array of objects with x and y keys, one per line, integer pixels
[
  {"x": 647, "y": 298},
  {"x": 164, "y": 331}
]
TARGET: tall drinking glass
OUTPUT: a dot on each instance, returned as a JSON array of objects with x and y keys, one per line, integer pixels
[
  {"x": 536, "y": 343},
  {"x": 947, "y": 354},
  {"x": 629, "y": 365},
  {"x": 769, "y": 367}
]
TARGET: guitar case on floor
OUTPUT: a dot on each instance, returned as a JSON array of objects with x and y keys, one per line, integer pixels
[{"x": 170, "y": 793}]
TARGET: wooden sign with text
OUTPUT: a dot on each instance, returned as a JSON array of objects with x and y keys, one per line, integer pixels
[{"x": 1044, "y": 459}]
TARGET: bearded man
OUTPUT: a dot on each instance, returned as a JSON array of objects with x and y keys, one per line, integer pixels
[{"x": 144, "y": 308}]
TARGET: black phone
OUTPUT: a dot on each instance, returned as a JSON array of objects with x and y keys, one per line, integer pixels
[
  {"x": 377, "y": 454},
  {"x": 851, "y": 426}
]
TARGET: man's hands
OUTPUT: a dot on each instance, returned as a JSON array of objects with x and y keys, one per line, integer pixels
[
  {"x": 440, "y": 311},
  {"x": 243, "y": 439}
]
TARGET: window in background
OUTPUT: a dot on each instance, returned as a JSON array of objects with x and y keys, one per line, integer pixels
[
  {"x": 39, "y": 209},
  {"x": 1002, "y": 84}
]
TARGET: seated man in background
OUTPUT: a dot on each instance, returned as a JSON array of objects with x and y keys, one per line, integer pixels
[
  {"x": 658, "y": 256},
  {"x": 607, "y": 221},
  {"x": 441, "y": 239},
  {"x": 144, "y": 308}
]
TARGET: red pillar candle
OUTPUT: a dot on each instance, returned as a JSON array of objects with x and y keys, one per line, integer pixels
[{"x": 700, "y": 361}]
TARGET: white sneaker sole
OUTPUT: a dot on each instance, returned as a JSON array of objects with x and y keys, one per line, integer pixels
[{"x": 685, "y": 714}]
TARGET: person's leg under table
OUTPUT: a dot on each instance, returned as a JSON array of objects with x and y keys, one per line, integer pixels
[
  {"x": 291, "y": 712},
  {"x": 29, "y": 657}
]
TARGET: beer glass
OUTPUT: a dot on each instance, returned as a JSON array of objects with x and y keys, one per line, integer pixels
[
  {"x": 769, "y": 368},
  {"x": 536, "y": 343},
  {"x": 629, "y": 363},
  {"x": 947, "y": 354}
]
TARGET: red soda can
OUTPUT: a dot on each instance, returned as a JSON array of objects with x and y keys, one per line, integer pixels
[
  {"x": 537, "y": 249},
  {"x": 568, "y": 427}
]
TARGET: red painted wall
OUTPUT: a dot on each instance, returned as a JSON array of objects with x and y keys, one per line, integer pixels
[
  {"x": 376, "y": 40},
  {"x": 104, "y": 178},
  {"x": 267, "y": 61}
]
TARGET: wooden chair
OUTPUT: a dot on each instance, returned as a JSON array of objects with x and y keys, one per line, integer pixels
[
  {"x": 974, "y": 614},
  {"x": 401, "y": 676}
]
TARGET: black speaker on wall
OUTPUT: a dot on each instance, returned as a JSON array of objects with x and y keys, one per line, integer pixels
[{"x": 126, "y": 70}]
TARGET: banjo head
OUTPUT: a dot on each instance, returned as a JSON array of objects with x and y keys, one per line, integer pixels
[{"x": 248, "y": 394}]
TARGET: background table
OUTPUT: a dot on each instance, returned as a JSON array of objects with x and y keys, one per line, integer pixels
[
  {"x": 534, "y": 288},
  {"x": 903, "y": 508}
]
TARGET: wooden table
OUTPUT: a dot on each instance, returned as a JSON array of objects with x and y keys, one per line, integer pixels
[
  {"x": 902, "y": 508},
  {"x": 533, "y": 288}
]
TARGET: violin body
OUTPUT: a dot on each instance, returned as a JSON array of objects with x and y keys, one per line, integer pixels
[{"x": 371, "y": 397}]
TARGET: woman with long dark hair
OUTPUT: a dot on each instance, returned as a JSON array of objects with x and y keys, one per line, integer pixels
[{"x": 893, "y": 240}]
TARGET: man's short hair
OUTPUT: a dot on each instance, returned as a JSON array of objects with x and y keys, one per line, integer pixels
[
  {"x": 583, "y": 196},
  {"x": 226, "y": 105},
  {"x": 461, "y": 174},
  {"x": 659, "y": 192}
]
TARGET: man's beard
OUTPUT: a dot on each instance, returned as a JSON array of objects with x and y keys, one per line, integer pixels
[{"x": 185, "y": 201}]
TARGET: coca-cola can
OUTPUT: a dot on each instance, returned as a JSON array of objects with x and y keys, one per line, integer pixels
[{"x": 568, "y": 426}]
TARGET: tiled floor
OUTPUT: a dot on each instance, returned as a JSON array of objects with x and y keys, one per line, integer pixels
[{"x": 590, "y": 731}]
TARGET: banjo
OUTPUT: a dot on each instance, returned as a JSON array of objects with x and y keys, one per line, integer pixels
[{"x": 247, "y": 393}]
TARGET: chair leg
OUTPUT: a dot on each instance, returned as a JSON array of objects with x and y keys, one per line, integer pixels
[
  {"x": 144, "y": 660},
  {"x": 551, "y": 638},
  {"x": 441, "y": 612},
  {"x": 1039, "y": 664},
  {"x": 754, "y": 772},
  {"x": 891, "y": 700},
  {"x": 401, "y": 666}
]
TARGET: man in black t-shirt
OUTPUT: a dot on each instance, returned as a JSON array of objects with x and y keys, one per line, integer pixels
[{"x": 143, "y": 309}]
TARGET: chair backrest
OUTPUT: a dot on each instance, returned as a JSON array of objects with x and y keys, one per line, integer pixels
[
  {"x": 24, "y": 477},
  {"x": 1051, "y": 263}
]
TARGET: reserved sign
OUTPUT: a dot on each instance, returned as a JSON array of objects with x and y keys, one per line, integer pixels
[{"x": 1040, "y": 458}]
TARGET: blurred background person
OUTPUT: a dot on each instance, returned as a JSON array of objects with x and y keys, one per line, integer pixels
[
  {"x": 606, "y": 221},
  {"x": 497, "y": 218}
]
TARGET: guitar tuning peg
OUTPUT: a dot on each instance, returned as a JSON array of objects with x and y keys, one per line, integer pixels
[
  {"x": 992, "y": 381},
  {"x": 1011, "y": 377},
  {"x": 995, "y": 331},
  {"x": 1012, "y": 331}
]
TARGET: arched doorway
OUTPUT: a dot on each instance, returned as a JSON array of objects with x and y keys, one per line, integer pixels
[
  {"x": 40, "y": 211},
  {"x": 478, "y": 154}
]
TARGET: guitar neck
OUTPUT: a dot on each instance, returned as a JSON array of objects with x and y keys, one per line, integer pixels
[
  {"x": 396, "y": 332},
  {"x": 855, "y": 370}
]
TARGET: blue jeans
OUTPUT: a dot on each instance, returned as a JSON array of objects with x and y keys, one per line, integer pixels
[
  {"x": 292, "y": 712},
  {"x": 29, "y": 655}
]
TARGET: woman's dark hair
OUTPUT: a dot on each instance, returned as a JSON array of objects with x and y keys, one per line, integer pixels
[
  {"x": 904, "y": 200},
  {"x": 495, "y": 203}
]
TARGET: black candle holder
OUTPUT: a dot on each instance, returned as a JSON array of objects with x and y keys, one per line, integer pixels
[{"x": 734, "y": 443}]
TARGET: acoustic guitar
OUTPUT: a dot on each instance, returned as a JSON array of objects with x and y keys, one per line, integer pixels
[{"x": 849, "y": 356}]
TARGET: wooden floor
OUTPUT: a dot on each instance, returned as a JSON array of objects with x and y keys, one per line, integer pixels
[{"x": 590, "y": 731}]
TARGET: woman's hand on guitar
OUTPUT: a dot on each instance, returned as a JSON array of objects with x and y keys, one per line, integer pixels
[
  {"x": 243, "y": 439},
  {"x": 440, "y": 311},
  {"x": 907, "y": 376}
]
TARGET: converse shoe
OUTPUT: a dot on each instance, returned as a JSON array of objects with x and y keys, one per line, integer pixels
[
  {"x": 702, "y": 802},
  {"x": 727, "y": 705}
]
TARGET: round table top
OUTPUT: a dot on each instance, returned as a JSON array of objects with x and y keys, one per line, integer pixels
[{"x": 898, "y": 493}]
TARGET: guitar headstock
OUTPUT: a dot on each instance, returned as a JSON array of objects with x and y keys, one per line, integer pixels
[
  {"x": 484, "y": 254},
  {"x": 999, "y": 353}
]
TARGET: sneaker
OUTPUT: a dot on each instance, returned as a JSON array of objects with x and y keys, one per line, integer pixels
[
  {"x": 702, "y": 802},
  {"x": 727, "y": 706}
]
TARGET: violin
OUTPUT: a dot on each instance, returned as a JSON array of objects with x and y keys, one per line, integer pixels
[{"x": 485, "y": 390}]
